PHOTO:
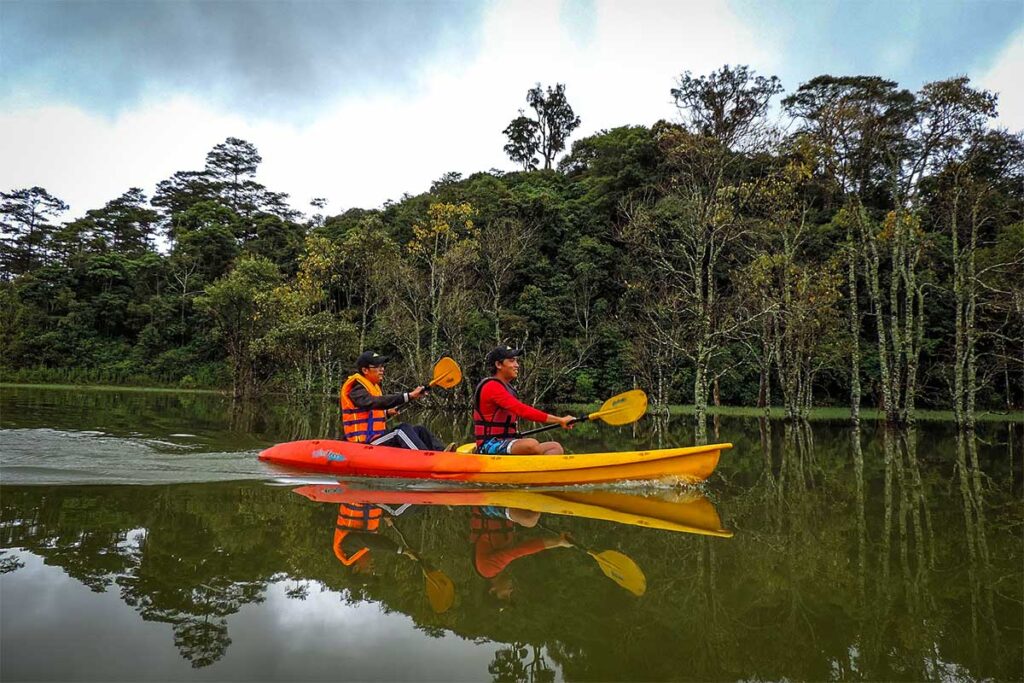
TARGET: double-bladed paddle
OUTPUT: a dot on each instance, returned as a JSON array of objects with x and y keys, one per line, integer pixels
[
  {"x": 440, "y": 589},
  {"x": 447, "y": 374},
  {"x": 621, "y": 409},
  {"x": 617, "y": 566}
]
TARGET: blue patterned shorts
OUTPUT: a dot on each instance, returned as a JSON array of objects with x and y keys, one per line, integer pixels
[{"x": 495, "y": 446}]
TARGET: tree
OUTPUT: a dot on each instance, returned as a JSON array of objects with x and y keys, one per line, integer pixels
[
  {"x": 124, "y": 225},
  {"x": 232, "y": 161},
  {"x": 25, "y": 232},
  {"x": 547, "y": 133},
  {"x": 523, "y": 141},
  {"x": 233, "y": 305},
  {"x": 728, "y": 105}
]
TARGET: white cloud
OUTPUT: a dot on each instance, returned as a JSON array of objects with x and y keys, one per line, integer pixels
[
  {"x": 1005, "y": 77},
  {"x": 364, "y": 151}
]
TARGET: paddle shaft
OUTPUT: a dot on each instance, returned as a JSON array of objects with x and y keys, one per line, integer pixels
[
  {"x": 426, "y": 390},
  {"x": 549, "y": 427}
]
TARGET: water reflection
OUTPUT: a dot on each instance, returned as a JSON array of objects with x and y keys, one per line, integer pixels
[
  {"x": 495, "y": 521},
  {"x": 884, "y": 555}
]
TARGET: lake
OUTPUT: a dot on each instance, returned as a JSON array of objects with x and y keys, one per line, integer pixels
[{"x": 140, "y": 539}]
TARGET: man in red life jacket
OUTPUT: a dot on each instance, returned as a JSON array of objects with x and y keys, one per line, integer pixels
[
  {"x": 492, "y": 533},
  {"x": 365, "y": 409},
  {"x": 497, "y": 409}
]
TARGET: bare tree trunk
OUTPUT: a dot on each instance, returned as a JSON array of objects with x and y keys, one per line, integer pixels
[
  {"x": 871, "y": 266},
  {"x": 854, "y": 320}
]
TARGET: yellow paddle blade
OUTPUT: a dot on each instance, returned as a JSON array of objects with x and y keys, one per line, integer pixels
[
  {"x": 466, "y": 448},
  {"x": 440, "y": 590},
  {"x": 622, "y": 570},
  {"x": 622, "y": 409},
  {"x": 447, "y": 373}
]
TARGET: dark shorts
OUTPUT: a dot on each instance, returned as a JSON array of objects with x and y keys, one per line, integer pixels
[{"x": 496, "y": 446}]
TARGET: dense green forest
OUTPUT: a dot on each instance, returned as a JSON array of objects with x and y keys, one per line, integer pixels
[{"x": 847, "y": 243}]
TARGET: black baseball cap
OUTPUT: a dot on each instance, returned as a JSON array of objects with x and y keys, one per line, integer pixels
[
  {"x": 502, "y": 353},
  {"x": 368, "y": 358}
]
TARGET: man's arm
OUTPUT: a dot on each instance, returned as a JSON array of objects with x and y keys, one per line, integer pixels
[
  {"x": 493, "y": 392},
  {"x": 367, "y": 401}
]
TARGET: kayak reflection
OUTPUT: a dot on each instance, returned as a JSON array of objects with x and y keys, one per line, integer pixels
[
  {"x": 687, "y": 511},
  {"x": 496, "y": 516}
]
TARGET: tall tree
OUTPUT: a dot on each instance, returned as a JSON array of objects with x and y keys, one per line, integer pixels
[
  {"x": 25, "y": 230},
  {"x": 727, "y": 105},
  {"x": 547, "y": 133},
  {"x": 125, "y": 225},
  {"x": 523, "y": 141}
]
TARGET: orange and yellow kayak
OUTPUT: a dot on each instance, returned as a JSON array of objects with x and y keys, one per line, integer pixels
[
  {"x": 345, "y": 459},
  {"x": 687, "y": 511}
]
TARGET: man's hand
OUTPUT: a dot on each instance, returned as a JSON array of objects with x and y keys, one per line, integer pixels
[
  {"x": 416, "y": 393},
  {"x": 391, "y": 412},
  {"x": 566, "y": 421}
]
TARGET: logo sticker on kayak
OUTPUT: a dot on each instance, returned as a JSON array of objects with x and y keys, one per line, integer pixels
[{"x": 328, "y": 455}]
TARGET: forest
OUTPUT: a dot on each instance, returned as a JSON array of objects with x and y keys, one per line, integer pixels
[{"x": 847, "y": 243}]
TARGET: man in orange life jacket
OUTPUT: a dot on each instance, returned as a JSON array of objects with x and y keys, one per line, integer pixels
[
  {"x": 497, "y": 408},
  {"x": 365, "y": 409},
  {"x": 357, "y": 533}
]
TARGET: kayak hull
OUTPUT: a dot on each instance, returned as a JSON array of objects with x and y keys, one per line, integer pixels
[
  {"x": 345, "y": 459},
  {"x": 686, "y": 512}
]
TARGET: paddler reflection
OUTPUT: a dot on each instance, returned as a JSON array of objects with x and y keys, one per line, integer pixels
[
  {"x": 495, "y": 545},
  {"x": 497, "y": 515},
  {"x": 358, "y": 535}
]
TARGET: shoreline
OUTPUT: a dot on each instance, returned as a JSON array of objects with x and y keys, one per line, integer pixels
[{"x": 820, "y": 413}]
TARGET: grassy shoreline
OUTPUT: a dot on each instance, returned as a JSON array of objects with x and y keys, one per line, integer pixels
[
  {"x": 111, "y": 387},
  {"x": 776, "y": 412}
]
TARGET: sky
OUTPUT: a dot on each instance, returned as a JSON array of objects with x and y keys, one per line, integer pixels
[{"x": 360, "y": 102}]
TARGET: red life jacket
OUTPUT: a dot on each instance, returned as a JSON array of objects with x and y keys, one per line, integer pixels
[
  {"x": 361, "y": 517},
  {"x": 500, "y": 530},
  {"x": 502, "y": 424}
]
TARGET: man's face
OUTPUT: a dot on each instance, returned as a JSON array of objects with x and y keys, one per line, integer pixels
[
  {"x": 508, "y": 368},
  {"x": 374, "y": 373}
]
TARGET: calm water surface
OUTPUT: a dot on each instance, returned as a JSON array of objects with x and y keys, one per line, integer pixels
[{"x": 140, "y": 539}]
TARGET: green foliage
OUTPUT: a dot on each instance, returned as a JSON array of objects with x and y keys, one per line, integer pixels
[{"x": 708, "y": 257}]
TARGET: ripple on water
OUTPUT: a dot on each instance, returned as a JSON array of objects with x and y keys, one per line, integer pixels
[{"x": 49, "y": 456}]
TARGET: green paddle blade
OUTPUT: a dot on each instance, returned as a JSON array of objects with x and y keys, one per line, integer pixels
[
  {"x": 440, "y": 590},
  {"x": 622, "y": 570},
  {"x": 447, "y": 373}
]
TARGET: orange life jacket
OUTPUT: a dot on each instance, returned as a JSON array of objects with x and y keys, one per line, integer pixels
[
  {"x": 360, "y": 517},
  {"x": 360, "y": 425}
]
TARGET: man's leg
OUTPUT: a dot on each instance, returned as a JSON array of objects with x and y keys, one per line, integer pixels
[
  {"x": 427, "y": 437},
  {"x": 402, "y": 436},
  {"x": 534, "y": 447}
]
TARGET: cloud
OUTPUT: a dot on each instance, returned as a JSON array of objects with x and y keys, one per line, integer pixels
[
  {"x": 283, "y": 59},
  {"x": 619, "y": 62},
  {"x": 1004, "y": 77}
]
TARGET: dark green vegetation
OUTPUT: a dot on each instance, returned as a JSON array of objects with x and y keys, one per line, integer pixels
[
  {"x": 869, "y": 251},
  {"x": 859, "y": 553}
]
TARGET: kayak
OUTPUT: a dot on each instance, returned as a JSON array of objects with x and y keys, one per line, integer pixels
[
  {"x": 345, "y": 459},
  {"x": 687, "y": 512}
]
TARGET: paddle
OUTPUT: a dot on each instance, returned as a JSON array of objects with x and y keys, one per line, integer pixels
[
  {"x": 621, "y": 409},
  {"x": 440, "y": 589},
  {"x": 447, "y": 374},
  {"x": 616, "y": 566}
]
